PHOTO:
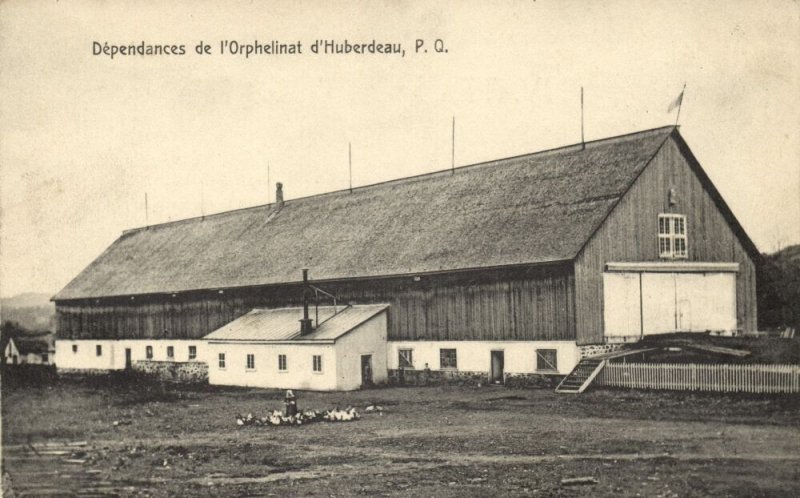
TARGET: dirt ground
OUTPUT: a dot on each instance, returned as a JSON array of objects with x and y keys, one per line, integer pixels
[{"x": 434, "y": 441}]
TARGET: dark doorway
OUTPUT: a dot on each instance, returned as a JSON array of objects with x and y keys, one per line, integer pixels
[
  {"x": 366, "y": 370},
  {"x": 127, "y": 358},
  {"x": 497, "y": 367}
]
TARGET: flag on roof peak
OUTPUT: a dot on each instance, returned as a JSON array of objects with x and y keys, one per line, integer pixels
[{"x": 677, "y": 102}]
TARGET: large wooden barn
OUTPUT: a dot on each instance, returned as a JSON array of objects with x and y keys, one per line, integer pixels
[{"x": 511, "y": 266}]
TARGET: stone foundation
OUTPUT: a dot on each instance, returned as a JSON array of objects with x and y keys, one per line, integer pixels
[
  {"x": 436, "y": 378},
  {"x": 460, "y": 378},
  {"x": 83, "y": 371},
  {"x": 597, "y": 349},
  {"x": 532, "y": 380},
  {"x": 190, "y": 372}
]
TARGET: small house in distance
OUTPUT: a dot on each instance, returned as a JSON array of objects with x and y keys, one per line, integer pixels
[
  {"x": 513, "y": 267},
  {"x": 343, "y": 349},
  {"x": 30, "y": 350}
]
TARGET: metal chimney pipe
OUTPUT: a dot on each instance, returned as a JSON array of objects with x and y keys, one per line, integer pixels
[
  {"x": 306, "y": 326},
  {"x": 305, "y": 293}
]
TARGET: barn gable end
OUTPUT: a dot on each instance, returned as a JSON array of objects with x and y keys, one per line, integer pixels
[{"x": 630, "y": 234}]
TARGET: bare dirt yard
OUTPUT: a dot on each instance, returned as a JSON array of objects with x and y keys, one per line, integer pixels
[{"x": 436, "y": 441}]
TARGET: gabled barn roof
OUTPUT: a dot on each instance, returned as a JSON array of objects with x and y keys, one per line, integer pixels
[
  {"x": 283, "y": 325},
  {"x": 535, "y": 208}
]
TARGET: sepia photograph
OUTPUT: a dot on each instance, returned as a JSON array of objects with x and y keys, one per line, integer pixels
[{"x": 400, "y": 248}]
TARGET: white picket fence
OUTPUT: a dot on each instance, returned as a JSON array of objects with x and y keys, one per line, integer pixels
[{"x": 701, "y": 377}]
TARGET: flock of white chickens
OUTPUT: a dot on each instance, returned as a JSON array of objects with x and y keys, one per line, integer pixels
[{"x": 277, "y": 417}]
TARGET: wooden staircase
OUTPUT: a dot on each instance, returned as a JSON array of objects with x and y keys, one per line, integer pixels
[{"x": 581, "y": 376}]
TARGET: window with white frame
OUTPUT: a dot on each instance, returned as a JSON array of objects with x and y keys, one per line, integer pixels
[
  {"x": 148, "y": 352},
  {"x": 405, "y": 358},
  {"x": 317, "y": 363},
  {"x": 672, "y": 241},
  {"x": 547, "y": 360},
  {"x": 282, "y": 363},
  {"x": 222, "y": 361},
  {"x": 192, "y": 352},
  {"x": 448, "y": 358},
  {"x": 251, "y": 362}
]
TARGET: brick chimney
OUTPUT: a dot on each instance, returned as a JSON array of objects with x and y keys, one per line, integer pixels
[{"x": 279, "y": 193}]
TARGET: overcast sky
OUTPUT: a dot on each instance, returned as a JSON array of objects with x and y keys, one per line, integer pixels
[{"x": 83, "y": 137}]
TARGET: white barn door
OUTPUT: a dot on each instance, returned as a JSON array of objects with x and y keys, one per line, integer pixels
[
  {"x": 659, "y": 303},
  {"x": 621, "y": 304},
  {"x": 709, "y": 301},
  {"x": 646, "y": 303}
]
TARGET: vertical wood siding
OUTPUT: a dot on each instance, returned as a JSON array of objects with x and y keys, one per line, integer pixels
[
  {"x": 524, "y": 304},
  {"x": 630, "y": 233}
]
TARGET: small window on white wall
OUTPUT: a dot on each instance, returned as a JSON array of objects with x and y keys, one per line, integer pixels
[
  {"x": 282, "y": 362},
  {"x": 98, "y": 350},
  {"x": 405, "y": 358},
  {"x": 547, "y": 360},
  {"x": 192, "y": 352},
  {"x": 74, "y": 348},
  {"x": 251, "y": 362},
  {"x": 317, "y": 363},
  {"x": 448, "y": 359},
  {"x": 672, "y": 242},
  {"x": 222, "y": 361},
  {"x": 148, "y": 352},
  {"x": 170, "y": 352}
]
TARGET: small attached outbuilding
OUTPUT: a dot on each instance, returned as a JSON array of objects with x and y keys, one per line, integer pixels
[{"x": 343, "y": 349}]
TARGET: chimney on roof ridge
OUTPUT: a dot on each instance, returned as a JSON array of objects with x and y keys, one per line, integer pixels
[{"x": 279, "y": 193}]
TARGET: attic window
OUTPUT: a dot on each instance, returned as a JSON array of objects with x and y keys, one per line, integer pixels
[{"x": 672, "y": 243}]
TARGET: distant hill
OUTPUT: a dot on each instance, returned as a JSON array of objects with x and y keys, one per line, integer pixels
[
  {"x": 27, "y": 300},
  {"x": 779, "y": 289},
  {"x": 32, "y": 311}
]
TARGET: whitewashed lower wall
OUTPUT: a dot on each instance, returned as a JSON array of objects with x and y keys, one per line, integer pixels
[
  {"x": 113, "y": 352},
  {"x": 475, "y": 356},
  {"x": 299, "y": 373},
  {"x": 341, "y": 362}
]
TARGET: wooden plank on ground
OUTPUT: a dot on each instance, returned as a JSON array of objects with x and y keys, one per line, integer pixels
[{"x": 741, "y": 353}]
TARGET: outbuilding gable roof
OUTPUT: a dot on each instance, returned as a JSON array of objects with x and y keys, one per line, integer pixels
[
  {"x": 534, "y": 208},
  {"x": 283, "y": 324},
  {"x": 33, "y": 344}
]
